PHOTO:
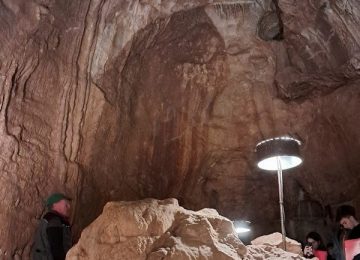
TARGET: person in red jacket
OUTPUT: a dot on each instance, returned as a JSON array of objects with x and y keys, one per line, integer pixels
[{"x": 314, "y": 246}]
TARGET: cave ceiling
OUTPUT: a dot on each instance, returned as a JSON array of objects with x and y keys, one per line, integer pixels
[{"x": 124, "y": 100}]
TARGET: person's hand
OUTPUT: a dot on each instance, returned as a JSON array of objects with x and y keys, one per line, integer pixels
[{"x": 308, "y": 251}]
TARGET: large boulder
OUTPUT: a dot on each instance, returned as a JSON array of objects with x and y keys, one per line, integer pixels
[{"x": 157, "y": 229}]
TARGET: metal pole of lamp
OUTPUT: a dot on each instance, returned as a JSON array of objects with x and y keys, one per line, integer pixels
[{"x": 278, "y": 154}]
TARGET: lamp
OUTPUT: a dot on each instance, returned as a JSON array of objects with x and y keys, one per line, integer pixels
[
  {"x": 242, "y": 226},
  {"x": 278, "y": 154}
]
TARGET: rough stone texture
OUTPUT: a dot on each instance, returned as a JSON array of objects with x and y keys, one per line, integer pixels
[
  {"x": 262, "y": 252},
  {"x": 323, "y": 46},
  {"x": 275, "y": 240},
  {"x": 271, "y": 247},
  {"x": 161, "y": 229},
  {"x": 123, "y": 100},
  {"x": 153, "y": 229}
]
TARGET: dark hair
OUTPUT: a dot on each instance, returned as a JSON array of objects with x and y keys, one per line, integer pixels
[
  {"x": 314, "y": 235},
  {"x": 345, "y": 211}
]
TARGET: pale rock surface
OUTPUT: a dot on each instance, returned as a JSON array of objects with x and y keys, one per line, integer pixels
[
  {"x": 270, "y": 247},
  {"x": 275, "y": 240},
  {"x": 259, "y": 252},
  {"x": 157, "y": 229}
]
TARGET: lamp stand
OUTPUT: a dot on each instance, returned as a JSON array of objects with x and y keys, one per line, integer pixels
[
  {"x": 281, "y": 201},
  {"x": 279, "y": 153}
]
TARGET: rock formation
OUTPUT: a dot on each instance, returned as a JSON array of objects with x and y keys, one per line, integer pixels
[
  {"x": 275, "y": 240},
  {"x": 266, "y": 252},
  {"x": 153, "y": 229},
  {"x": 124, "y": 100}
]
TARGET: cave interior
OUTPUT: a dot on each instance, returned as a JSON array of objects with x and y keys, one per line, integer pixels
[{"x": 111, "y": 100}]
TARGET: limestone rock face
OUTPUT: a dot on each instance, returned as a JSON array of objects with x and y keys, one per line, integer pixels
[
  {"x": 271, "y": 247},
  {"x": 267, "y": 252},
  {"x": 323, "y": 46},
  {"x": 161, "y": 229},
  {"x": 275, "y": 240},
  {"x": 153, "y": 229}
]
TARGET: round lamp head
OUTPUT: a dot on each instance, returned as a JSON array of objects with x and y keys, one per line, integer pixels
[{"x": 279, "y": 149}]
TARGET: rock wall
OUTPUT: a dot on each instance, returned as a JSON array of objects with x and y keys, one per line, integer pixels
[
  {"x": 40, "y": 104},
  {"x": 110, "y": 100}
]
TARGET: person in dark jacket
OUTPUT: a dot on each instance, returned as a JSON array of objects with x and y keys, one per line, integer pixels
[
  {"x": 53, "y": 237},
  {"x": 346, "y": 216}
]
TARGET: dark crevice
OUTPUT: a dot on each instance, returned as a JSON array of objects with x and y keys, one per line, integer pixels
[{"x": 280, "y": 35}]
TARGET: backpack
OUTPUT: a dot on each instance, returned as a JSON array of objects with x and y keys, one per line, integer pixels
[{"x": 41, "y": 247}]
